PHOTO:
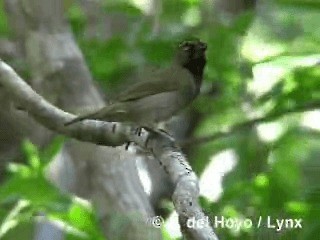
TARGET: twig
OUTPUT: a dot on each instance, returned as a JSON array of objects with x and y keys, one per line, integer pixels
[{"x": 244, "y": 125}]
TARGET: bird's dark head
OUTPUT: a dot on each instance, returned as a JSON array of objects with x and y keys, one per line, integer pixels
[{"x": 192, "y": 56}]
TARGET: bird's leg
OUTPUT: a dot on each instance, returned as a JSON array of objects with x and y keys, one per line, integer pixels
[
  {"x": 138, "y": 131},
  {"x": 127, "y": 145}
]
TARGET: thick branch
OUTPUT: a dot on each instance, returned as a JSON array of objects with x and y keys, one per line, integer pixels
[
  {"x": 250, "y": 123},
  {"x": 54, "y": 118}
]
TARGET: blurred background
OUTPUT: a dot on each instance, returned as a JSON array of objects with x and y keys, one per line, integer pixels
[{"x": 252, "y": 137}]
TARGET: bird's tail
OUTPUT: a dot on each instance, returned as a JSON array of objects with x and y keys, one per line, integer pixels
[{"x": 111, "y": 112}]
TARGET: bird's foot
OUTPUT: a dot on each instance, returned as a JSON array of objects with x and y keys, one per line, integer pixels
[
  {"x": 127, "y": 145},
  {"x": 138, "y": 131}
]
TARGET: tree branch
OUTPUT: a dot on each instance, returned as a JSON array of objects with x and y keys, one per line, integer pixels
[
  {"x": 54, "y": 118},
  {"x": 250, "y": 123},
  {"x": 163, "y": 147}
]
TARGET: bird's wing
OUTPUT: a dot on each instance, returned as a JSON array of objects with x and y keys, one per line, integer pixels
[{"x": 165, "y": 81}]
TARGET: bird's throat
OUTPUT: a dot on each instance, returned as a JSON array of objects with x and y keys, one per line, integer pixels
[{"x": 196, "y": 68}]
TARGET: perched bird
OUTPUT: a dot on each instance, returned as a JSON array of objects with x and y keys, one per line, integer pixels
[{"x": 162, "y": 94}]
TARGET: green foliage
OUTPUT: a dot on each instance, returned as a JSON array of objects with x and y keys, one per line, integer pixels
[
  {"x": 4, "y": 29},
  {"x": 28, "y": 195},
  {"x": 28, "y": 181},
  {"x": 80, "y": 220},
  {"x": 109, "y": 60},
  {"x": 77, "y": 19},
  {"x": 275, "y": 177}
]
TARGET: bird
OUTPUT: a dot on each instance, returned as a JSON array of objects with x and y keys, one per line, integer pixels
[{"x": 161, "y": 94}]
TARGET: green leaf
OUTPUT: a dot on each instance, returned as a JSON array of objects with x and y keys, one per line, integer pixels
[
  {"x": 32, "y": 155},
  {"x": 36, "y": 189},
  {"x": 12, "y": 219},
  {"x": 81, "y": 216},
  {"x": 4, "y": 26},
  {"x": 20, "y": 169},
  {"x": 77, "y": 18},
  {"x": 52, "y": 149}
]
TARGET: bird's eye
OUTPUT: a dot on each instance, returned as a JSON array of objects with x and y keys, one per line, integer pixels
[{"x": 186, "y": 46}]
